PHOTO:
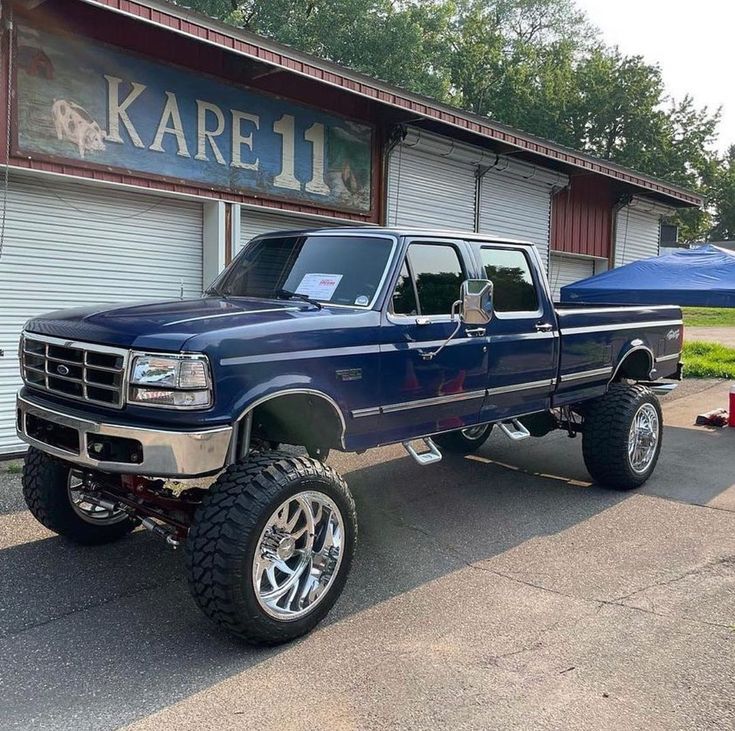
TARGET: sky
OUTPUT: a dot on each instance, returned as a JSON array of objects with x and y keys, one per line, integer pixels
[{"x": 690, "y": 40}]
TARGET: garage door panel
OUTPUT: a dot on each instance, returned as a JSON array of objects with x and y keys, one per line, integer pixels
[
  {"x": 69, "y": 244},
  {"x": 567, "y": 270},
  {"x": 516, "y": 208},
  {"x": 430, "y": 191},
  {"x": 637, "y": 235}
]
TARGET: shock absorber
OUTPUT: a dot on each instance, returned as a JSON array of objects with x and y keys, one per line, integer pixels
[{"x": 167, "y": 533}]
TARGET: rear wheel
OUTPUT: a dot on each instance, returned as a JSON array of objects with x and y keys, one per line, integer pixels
[
  {"x": 52, "y": 491},
  {"x": 271, "y": 546},
  {"x": 621, "y": 440},
  {"x": 464, "y": 441}
]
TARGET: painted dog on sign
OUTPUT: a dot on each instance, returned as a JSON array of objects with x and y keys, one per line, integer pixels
[{"x": 73, "y": 123}]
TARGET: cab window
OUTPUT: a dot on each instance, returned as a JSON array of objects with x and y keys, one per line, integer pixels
[
  {"x": 404, "y": 296},
  {"x": 510, "y": 273},
  {"x": 430, "y": 280}
]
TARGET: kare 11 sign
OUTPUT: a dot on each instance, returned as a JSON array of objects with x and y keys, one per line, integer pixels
[{"x": 100, "y": 106}]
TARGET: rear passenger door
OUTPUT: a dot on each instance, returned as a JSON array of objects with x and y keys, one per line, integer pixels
[
  {"x": 523, "y": 338},
  {"x": 420, "y": 395}
]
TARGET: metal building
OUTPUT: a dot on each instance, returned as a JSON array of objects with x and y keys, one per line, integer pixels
[{"x": 147, "y": 143}]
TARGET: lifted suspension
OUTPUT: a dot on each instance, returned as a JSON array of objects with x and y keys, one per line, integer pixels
[
  {"x": 168, "y": 518},
  {"x": 167, "y": 532}
]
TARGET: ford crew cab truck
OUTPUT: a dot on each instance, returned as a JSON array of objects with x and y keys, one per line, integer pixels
[{"x": 209, "y": 421}]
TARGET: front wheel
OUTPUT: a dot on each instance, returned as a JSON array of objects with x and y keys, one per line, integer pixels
[
  {"x": 464, "y": 441},
  {"x": 53, "y": 492},
  {"x": 621, "y": 439},
  {"x": 271, "y": 546}
]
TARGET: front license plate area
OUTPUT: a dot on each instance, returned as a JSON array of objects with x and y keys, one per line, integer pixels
[{"x": 55, "y": 435}]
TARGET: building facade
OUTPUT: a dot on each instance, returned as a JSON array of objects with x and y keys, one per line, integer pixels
[{"x": 147, "y": 143}]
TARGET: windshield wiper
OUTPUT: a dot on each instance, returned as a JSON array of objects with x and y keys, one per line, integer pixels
[{"x": 284, "y": 294}]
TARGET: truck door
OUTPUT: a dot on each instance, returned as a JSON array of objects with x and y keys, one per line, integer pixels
[
  {"x": 420, "y": 394},
  {"x": 523, "y": 337}
]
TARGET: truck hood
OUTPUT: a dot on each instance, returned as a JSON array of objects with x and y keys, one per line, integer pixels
[{"x": 168, "y": 325}]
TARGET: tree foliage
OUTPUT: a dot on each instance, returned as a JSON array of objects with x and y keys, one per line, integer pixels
[
  {"x": 722, "y": 199},
  {"x": 537, "y": 65}
]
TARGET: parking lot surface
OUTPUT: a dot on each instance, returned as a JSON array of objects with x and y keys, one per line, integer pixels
[{"x": 497, "y": 591}]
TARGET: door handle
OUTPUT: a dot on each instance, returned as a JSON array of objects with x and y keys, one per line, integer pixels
[
  {"x": 475, "y": 331},
  {"x": 544, "y": 327}
]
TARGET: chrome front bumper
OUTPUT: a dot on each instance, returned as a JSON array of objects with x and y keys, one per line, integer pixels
[{"x": 163, "y": 454}]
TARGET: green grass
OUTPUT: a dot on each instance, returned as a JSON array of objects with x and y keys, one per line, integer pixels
[
  {"x": 709, "y": 316},
  {"x": 708, "y": 360}
]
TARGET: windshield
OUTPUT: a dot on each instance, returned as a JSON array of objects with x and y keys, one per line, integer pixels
[{"x": 345, "y": 270}]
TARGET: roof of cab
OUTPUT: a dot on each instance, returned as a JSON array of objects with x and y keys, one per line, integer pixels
[{"x": 401, "y": 231}]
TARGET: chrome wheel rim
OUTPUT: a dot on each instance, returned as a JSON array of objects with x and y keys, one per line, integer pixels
[
  {"x": 474, "y": 432},
  {"x": 94, "y": 514},
  {"x": 298, "y": 555},
  {"x": 643, "y": 438}
]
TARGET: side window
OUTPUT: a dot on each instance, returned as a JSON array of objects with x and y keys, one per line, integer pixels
[
  {"x": 404, "y": 297},
  {"x": 510, "y": 273},
  {"x": 437, "y": 273}
]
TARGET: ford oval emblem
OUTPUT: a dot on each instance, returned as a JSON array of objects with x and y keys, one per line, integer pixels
[{"x": 62, "y": 370}]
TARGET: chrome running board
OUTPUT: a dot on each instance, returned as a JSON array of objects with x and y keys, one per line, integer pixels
[
  {"x": 430, "y": 456},
  {"x": 514, "y": 430}
]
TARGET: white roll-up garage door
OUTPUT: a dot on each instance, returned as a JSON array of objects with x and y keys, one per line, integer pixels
[
  {"x": 515, "y": 201},
  {"x": 254, "y": 222},
  {"x": 431, "y": 184},
  {"x": 568, "y": 269},
  {"x": 70, "y": 244},
  {"x": 638, "y": 231}
]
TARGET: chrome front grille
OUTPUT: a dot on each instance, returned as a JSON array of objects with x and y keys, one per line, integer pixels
[{"x": 80, "y": 371}]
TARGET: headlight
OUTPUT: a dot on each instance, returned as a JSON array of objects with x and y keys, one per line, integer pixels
[{"x": 178, "y": 381}]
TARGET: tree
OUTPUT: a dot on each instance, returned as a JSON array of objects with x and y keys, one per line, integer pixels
[
  {"x": 513, "y": 59},
  {"x": 536, "y": 65},
  {"x": 722, "y": 199},
  {"x": 394, "y": 41}
]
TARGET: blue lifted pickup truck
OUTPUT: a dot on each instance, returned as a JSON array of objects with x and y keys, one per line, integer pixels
[{"x": 171, "y": 414}]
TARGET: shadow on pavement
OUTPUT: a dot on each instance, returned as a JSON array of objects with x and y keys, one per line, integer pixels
[
  {"x": 94, "y": 638},
  {"x": 696, "y": 466}
]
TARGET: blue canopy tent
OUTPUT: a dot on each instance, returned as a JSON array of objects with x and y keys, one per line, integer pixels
[{"x": 703, "y": 277}]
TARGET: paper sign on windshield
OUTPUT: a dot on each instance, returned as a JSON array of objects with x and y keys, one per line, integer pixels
[{"x": 319, "y": 286}]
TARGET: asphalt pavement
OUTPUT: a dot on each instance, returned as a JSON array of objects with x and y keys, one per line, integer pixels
[{"x": 498, "y": 591}]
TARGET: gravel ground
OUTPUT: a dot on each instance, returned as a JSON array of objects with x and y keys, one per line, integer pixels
[
  {"x": 722, "y": 335},
  {"x": 693, "y": 386}
]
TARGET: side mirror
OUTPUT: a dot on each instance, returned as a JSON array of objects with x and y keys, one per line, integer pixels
[{"x": 477, "y": 301}]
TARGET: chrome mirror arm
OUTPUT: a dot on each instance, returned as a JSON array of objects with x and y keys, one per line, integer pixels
[{"x": 430, "y": 355}]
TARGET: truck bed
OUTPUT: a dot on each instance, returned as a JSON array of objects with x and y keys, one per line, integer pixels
[{"x": 595, "y": 339}]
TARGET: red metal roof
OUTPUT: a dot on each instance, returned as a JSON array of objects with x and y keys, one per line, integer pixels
[{"x": 196, "y": 25}]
